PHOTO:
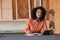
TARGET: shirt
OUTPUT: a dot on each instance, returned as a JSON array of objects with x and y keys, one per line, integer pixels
[{"x": 35, "y": 26}]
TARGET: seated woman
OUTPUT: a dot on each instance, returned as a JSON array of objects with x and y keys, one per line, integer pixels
[{"x": 37, "y": 21}]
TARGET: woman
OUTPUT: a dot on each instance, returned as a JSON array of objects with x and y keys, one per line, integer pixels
[{"x": 37, "y": 21}]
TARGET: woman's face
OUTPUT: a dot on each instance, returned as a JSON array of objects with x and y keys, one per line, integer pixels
[{"x": 38, "y": 13}]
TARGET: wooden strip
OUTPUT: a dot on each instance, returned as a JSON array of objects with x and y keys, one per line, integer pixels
[
  {"x": 32, "y": 4},
  {"x": 14, "y": 9}
]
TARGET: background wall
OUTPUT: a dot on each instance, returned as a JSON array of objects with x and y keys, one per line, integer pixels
[{"x": 11, "y": 26}]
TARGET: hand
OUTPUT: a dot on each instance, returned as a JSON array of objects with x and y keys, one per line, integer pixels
[{"x": 28, "y": 32}]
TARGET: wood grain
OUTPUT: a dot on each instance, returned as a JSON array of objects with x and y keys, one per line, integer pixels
[{"x": 22, "y": 9}]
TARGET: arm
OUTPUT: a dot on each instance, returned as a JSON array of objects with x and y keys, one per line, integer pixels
[
  {"x": 27, "y": 28},
  {"x": 45, "y": 25}
]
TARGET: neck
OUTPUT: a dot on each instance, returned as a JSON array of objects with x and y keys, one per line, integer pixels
[{"x": 38, "y": 19}]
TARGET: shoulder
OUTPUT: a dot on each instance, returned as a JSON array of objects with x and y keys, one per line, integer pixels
[
  {"x": 29, "y": 20},
  {"x": 44, "y": 21}
]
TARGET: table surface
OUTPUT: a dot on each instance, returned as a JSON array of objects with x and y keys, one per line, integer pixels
[{"x": 24, "y": 37}]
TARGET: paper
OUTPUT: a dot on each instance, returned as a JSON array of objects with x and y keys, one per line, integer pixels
[
  {"x": 37, "y": 33},
  {"x": 29, "y": 34},
  {"x": 33, "y": 34}
]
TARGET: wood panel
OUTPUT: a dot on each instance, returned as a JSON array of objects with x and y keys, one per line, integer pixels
[{"x": 22, "y": 9}]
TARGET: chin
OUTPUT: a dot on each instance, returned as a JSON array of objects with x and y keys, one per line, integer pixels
[{"x": 39, "y": 17}]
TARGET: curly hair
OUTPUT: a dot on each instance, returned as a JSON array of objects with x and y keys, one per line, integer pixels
[{"x": 33, "y": 13}]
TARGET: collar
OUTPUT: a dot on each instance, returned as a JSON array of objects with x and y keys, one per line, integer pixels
[{"x": 34, "y": 20}]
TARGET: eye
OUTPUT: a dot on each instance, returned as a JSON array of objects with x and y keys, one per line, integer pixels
[{"x": 38, "y": 12}]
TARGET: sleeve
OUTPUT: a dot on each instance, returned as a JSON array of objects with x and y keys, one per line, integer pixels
[
  {"x": 45, "y": 25},
  {"x": 27, "y": 28}
]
